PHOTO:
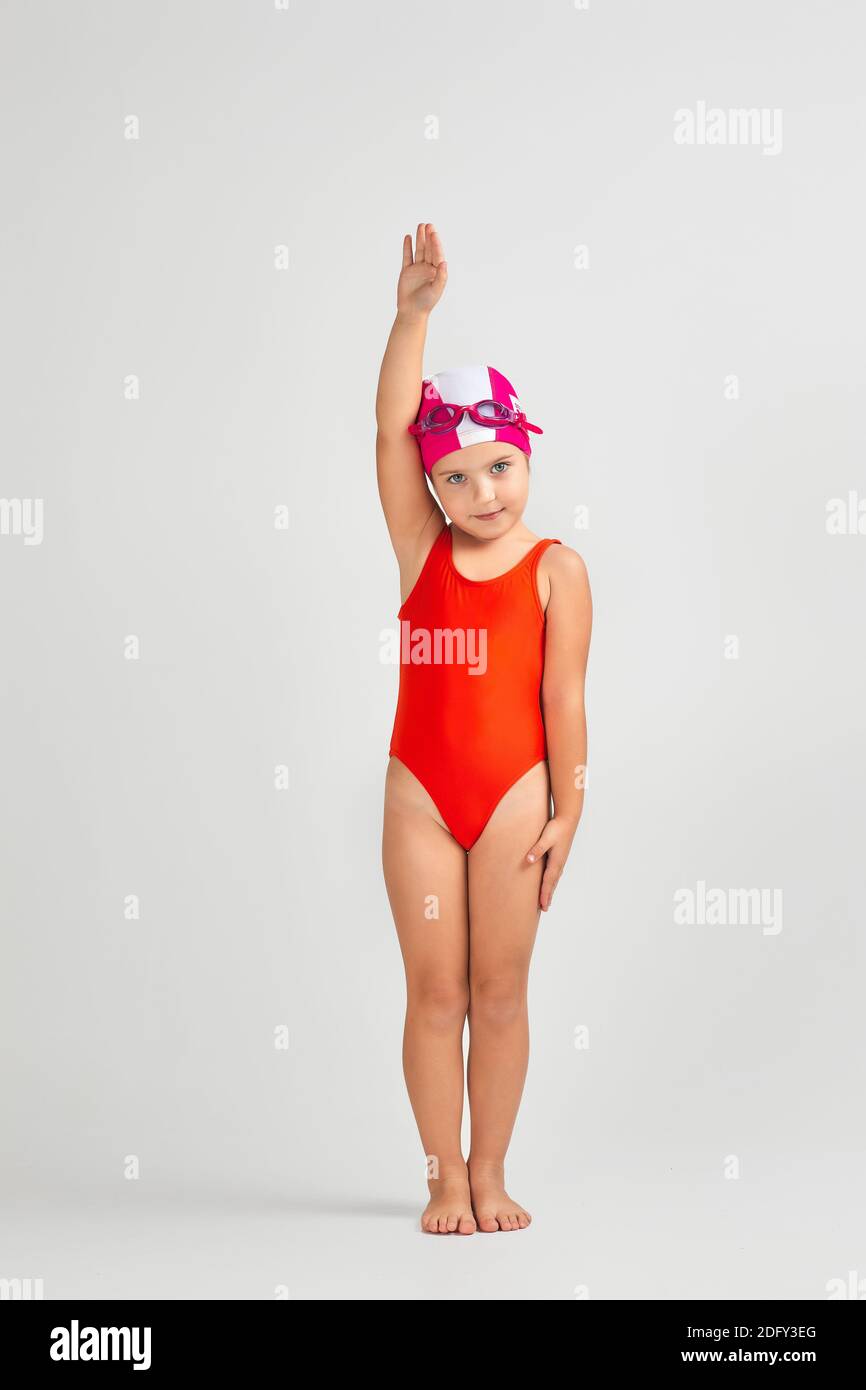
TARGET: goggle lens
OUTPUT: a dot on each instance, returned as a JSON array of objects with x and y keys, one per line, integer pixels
[
  {"x": 493, "y": 410},
  {"x": 440, "y": 417},
  {"x": 444, "y": 417}
]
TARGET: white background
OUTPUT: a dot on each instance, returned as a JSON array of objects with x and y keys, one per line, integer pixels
[{"x": 155, "y": 258}]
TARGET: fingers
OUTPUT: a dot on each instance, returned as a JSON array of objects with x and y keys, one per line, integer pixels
[
  {"x": 545, "y": 844},
  {"x": 428, "y": 246},
  {"x": 542, "y": 844},
  {"x": 407, "y": 250},
  {"x": 434, "y": 242},
  {"x": 552, "y": 875}
]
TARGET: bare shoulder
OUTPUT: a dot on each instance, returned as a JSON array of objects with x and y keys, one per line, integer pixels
[
  {"x": 563, "y": 582},
  {"x": 566, "y": 569},
  {"x": 564, "y": 560}
]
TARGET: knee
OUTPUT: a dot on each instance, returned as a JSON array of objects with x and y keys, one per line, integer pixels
[
  {"x": 441, "y": 1001},
  {"x": 498, "y": 1000}
]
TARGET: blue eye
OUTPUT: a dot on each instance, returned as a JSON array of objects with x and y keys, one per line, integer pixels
[
  {"x": 452, "y": 476},
  {"x": 503, "y": 463}
]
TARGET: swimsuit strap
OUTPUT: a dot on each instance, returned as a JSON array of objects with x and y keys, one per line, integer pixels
[
  {"x": 538, "y": 550},
  {"x": 535, "y": 557}
]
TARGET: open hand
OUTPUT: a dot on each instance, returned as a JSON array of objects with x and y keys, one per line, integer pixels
[{"x": 423, "y": 277}]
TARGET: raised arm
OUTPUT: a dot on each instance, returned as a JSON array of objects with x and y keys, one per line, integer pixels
[{"x": 406, "y": 499}]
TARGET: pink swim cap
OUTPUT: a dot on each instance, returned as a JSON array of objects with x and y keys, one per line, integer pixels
[{"x": 466, "y": 386}]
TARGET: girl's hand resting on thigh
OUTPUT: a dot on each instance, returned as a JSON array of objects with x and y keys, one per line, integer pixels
[{"x": 555, "y": 841}]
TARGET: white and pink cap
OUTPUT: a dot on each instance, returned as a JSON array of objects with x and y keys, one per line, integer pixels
[{"x": 466, "y": 386}]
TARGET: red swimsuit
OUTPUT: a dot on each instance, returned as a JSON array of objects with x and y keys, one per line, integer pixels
[{"x": 468, "y": 721}]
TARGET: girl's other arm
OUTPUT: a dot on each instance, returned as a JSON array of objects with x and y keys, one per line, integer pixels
[
  {"x": 406, "y": 500},
  {"x": 566, "y": 652}
]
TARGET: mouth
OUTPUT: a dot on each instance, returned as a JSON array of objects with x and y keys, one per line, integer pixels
[{"x": 488, "y": 516}]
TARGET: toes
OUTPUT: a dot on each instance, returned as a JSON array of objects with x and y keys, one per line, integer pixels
[
  {"x": 448, "y": 1223},
  {"x": 502, "y": 1220},
  {"x": 513, "y": 1220}
]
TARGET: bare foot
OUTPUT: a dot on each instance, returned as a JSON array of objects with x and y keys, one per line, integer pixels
[
  {"x": 494, "y": 1209},
  {"x": 449, "y": 1211}
]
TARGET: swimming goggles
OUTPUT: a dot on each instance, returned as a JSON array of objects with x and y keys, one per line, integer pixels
[{"x": 444, "y": 416}]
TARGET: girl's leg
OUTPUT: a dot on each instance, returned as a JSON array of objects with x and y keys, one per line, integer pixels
[
  {"x": 425, "y": 877},
  {"x": 503, "y": 916}
]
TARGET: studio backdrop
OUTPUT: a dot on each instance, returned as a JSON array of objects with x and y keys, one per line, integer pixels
[{"x": 653, "y": 217}]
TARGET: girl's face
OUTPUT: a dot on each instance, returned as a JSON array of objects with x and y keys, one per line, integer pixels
[{"x": 483, "y": 488}]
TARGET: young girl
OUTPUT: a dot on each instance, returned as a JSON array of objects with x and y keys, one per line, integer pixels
[{"x": 495, "y": 627}]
